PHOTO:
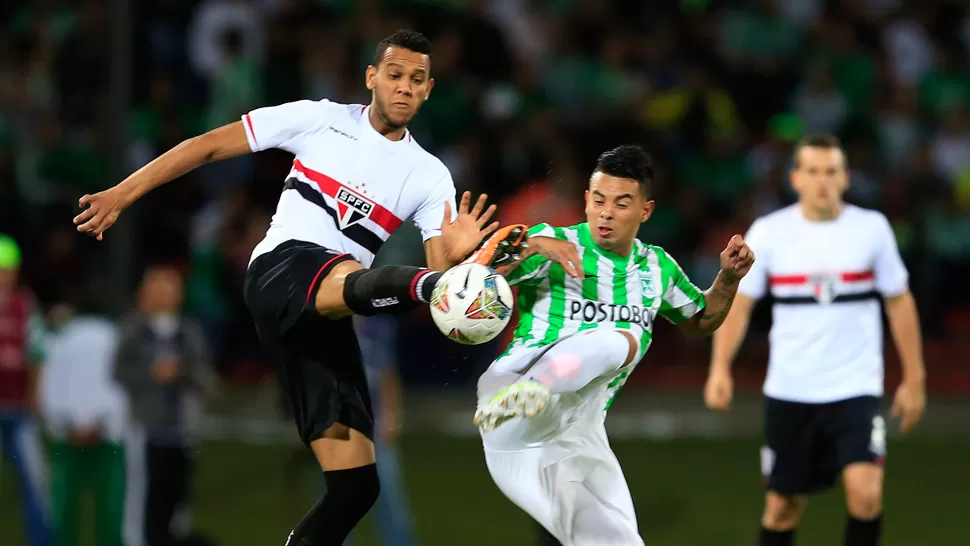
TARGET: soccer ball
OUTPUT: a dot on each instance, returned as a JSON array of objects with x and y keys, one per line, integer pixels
[{"x": 471, "y": 304}]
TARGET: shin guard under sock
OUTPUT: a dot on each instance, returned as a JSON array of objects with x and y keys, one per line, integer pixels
[{"x": 390, "y": 289}]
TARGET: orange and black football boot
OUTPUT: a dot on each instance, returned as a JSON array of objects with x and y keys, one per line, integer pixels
[{"x": 504, "y": 247}]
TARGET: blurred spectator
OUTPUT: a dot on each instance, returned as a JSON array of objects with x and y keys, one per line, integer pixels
[
  {"x": 235, "y": 84},
  {"x": 696, "y": 106},
  {"x": 947, "y": 86},
  {"x": 163, "y": 364},
  {"x": 86, "y": 414},
  {"x": 22, "y": 342},
  {"x": 757, "y": 44},
  {"x": 898, "y": 127},
  {"x": 377, "y": 336},
  {"x": 823, "y": 107},
  {"x": 908, "y": 46},
  {"x": 951, "y": 147},
  {"x": 210, "y": 23}
]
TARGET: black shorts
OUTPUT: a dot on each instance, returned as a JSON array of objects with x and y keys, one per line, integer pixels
[
  {"x": 808, "y": 445},
  {"x": 317, "y": 359}
]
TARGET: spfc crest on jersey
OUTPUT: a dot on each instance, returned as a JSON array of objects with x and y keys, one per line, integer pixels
[
  {"x": 825, "y": 287},
  {"x": 352, "y": 208}
]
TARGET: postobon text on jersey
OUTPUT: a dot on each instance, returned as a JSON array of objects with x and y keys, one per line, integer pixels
[{"x": 597, "y": 311}]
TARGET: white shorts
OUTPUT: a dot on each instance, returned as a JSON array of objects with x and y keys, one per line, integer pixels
[{"x": 573, "y": 486}]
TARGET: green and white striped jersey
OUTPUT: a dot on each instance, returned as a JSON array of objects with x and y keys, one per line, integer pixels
[{"x": 618, "y": 292}]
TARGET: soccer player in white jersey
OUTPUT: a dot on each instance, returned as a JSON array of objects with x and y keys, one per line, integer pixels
[
  {"x": 826, "y": 265},
  {"x": 542, "y": 404},
  {"x": 357, "y": 174}
]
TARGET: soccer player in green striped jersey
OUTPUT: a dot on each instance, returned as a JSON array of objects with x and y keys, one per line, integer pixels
[{"x": 542, "y": 403}]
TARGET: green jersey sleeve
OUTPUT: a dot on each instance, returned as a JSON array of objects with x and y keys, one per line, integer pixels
[
  {"x": 681, "y": 299},
  {"x": 534, "y": 268}
]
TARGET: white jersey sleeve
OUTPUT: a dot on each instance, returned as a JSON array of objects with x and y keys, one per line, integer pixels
[
  {"x": 284, "y": 126},
  {"x": 429, "y": 215},
  {"x": 755, "y": 283},
  {"x": 892, "y": 279}
]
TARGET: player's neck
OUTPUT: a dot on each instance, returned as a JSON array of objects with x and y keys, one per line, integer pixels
[
  {"x": 379, "y": 125},
  {"x": 816, "y": 215},
  {"x": 622, "y": 250}
]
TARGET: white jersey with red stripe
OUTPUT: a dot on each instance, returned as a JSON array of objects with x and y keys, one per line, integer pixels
[
  {"x": 825, "y": 280},
  {"x": 350, "y": 187}
]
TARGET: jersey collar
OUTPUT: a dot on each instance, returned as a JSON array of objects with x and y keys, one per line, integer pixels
[{"x": 586, "y": 238}]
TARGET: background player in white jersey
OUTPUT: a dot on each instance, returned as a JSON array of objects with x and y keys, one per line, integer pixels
[
  {"x": 357, "y": 175},
  {"x": 826, "y": 264},
  {"x": 542, "y": 404}
]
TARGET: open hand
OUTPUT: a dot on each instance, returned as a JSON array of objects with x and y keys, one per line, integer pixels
[
  {"x": 468, "y": 230},
  {"x": 737, "y": 258},
  {"x": 103, "y": 209}
]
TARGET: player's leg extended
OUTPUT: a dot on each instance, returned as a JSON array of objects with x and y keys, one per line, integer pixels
[
  {"x": 345, "y": 287},
  {"x": 568, "y": 366}
]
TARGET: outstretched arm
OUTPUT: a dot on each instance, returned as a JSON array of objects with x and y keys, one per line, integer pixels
[
  {"x": 102, "y": 209},
  {"x": 283, "y": 126}
]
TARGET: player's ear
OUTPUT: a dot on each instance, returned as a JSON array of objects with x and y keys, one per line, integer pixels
[
  {"x": 370, "y": 77},
  {"x": 647, "y": 210},
  {"x": 586, "y": 200},
  {"x": 430, "y": 87}
]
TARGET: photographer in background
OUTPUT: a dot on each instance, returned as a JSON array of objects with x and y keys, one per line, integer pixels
[{"x": 163, "y": 364}]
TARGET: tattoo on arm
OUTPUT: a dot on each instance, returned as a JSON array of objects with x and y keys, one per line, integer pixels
[{"x": 719, "y": 298}]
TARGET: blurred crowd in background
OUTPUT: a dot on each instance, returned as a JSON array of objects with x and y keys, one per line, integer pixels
[{"x": 527, "y": 94}]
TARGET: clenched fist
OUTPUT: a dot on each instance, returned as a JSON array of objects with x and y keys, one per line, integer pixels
[{"x": 736, "y": 259}]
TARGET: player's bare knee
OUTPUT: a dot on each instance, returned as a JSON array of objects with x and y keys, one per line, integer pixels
[
  {"x": 329, "y": 299},
  {"x": 782, "y": 512},
  {"x": 863, "y": 490},
  {"x": 341, "y": 447}
]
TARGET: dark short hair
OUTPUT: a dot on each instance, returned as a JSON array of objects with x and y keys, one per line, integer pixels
[
  {"x": 628, "y": 161},
  {"x": 410, "y": 40},
  {"x": 825, "y": 141}
]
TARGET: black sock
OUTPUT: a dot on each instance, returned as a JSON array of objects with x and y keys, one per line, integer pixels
[
  {"x": 859, "y": 532},
  {"x": 390, "y": 289},
  {"x": 350, "y": 494},
  {"x": 776, "y": 538}
]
